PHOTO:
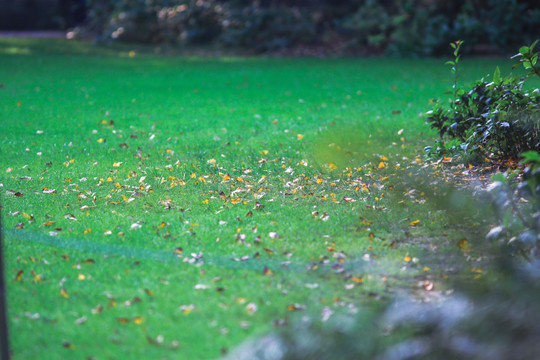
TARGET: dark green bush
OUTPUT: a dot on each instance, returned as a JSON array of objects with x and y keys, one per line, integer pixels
[
  {"x": 156, "y": 21},
  {"x": 267, "y": 29},
  {"x": 32, "y": 15},
  {"x": 423, "y": 27},
  {"x": 397, "y": 27},
  {"x": 496, "y": 119}
]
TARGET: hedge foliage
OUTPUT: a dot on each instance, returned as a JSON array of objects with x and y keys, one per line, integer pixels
[{"x": 394, "y": 27}]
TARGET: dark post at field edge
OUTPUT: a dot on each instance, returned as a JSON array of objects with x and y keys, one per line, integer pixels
[{"x": 4, "y": 339}]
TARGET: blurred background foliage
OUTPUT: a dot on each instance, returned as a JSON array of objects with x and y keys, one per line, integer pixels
[{"x": 391, "y": 27}]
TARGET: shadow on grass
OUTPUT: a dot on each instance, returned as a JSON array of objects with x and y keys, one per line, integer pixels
[{"x": 488, "y": 316}]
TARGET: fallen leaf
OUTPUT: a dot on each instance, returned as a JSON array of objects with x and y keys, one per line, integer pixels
[
  {"x": 18, "y": 277},
  {"x": 68, "y": 345},
  {"x": 64, "y": 293},
  {"x": 122, "y": 320},
  {"x": 135, "y": 226},
  {"x": 70, "y": 217},
  {"x": 186, "y": 309},
  {"x": 296, "y": 307},
  {"x": 464, "y": 245}
]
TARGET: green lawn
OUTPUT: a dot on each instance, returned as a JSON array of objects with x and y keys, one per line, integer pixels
[{"x": 172, "y": 207}]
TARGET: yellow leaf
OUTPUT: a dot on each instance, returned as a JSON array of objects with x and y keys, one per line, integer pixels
[
  {"x": 381, "y": 165},
  {"x": 87, "y": 231},
  {"x": 100, "y": 140},
  {"x": 226, "y": 177},
  {"x": 117, "y": 164},
  {"x": 357, "y": 279},
  {"x": 186, "y": 309},
  {"x": 212, "y": 161},
  {"x": 64, "y": 293},
  {"x": 138, "y": 320},
  {"x": 384, "y": 158},
  {"x": 414, "y": 223},
  {"x": 299, "y": 136},
  {"x": 205, "y": 201},
  {"x": 18, "y": 277},
  {"x": 464, "y": 245},
  {"x": 235, "y": 200},
  {"x": 407, "y": 258}
]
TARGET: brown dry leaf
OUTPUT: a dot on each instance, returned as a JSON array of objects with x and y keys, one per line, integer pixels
[
  {"x": 122, "y": 320},
  {"x": 68, "y": 345},
  {"x": 267, "y": 271}
]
